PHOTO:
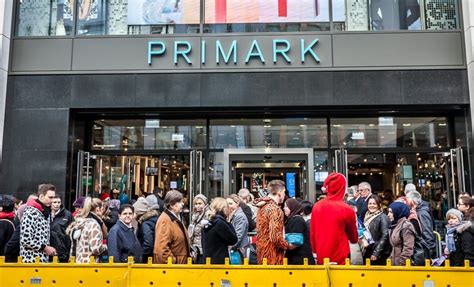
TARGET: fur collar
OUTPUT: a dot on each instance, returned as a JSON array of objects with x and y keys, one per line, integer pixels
[
  {"x": 465, "y": 225},
  {"x": 147, "y": 215}
]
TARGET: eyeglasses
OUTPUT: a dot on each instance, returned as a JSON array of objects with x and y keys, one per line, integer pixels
[{"x": 459, "y": 204}]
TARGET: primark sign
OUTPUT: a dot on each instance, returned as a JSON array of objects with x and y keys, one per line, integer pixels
[{"x": 239, "y": 52}]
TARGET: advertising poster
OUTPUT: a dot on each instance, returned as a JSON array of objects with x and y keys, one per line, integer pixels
[
  {"x": 271, "y": 11},
  {"x": 152, "y": 12}
]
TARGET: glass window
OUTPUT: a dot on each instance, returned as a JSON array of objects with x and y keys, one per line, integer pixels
[
  {"x": 216, "y": 174},
  {"x": 382, "y": 15},
  {"x": 44, "y": 18},
  {"x": 390, "y": 132},
  {"x": 321, "y": 170},
  {"x": 224, "y": 16},
  {"x": 143, "y": 134},
  {"x": 135, "y": 17},
  {"x": 254, "y": 133}
]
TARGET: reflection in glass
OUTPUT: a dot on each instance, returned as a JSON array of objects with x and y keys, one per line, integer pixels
[
  {"x": 135, "y": 135},
  {"x": 216, "y": 174},
  {"x": 44, "y": 18},
  {"x": 390, "y": 132},
  {"x": 383, "y": 15},
  {"x": 246, "y": 133}
]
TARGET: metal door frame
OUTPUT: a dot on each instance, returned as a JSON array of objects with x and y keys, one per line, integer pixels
[{"x": 310, "y": 184}]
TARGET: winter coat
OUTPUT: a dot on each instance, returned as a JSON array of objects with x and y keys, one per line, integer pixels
[
  {"x": 34, "y": 232},
  {"x": 402, "y": 239},
  {"x": 122, "y": 243},
  {"x": 297, "y": 224},
  {"x": 464, "y": 240},
  {"x": 379, "y": 228},
  {"x": 270, "y": 241},
  {"x": 195, "y": 228},
  {"x": 12, "y": 248},
  {"x": 7, "y": 227},
  {"x": 426, "y": 220},
  {"x": 87, "y": 239},
  {"x": 59, "y": 238},
  {"x": 240, "y": 223},
  {"x": 146, "y": 233},
  {"x": 333, "y": 226},
  {"x": 217, "y": 237},
  {"x": 171, "y": 240}
]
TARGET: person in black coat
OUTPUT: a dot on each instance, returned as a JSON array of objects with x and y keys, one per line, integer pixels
[
  {"x": 295, "y": 223},
  {"x": 147, "y": 216},
  {"x": 60, "y": 220},
  {"x": 7, "y": 227},
  {"x": 378, "y": 225},
  {"x": 111, "y": 213},
  {"x": 122, "y": 241},
  {"x": 219, "y": 234}
]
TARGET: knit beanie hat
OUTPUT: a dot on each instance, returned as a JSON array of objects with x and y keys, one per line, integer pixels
[
  {"x": 335, "y": 186},
  {"x": 152, "y": 202},
  {"x": 141, "y": 206},
  {"x": 454, "y": 212},
  {"x": 201, "y": 197}
]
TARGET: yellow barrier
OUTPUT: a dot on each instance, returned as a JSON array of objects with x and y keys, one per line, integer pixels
[{"x": 140, "y": 275}]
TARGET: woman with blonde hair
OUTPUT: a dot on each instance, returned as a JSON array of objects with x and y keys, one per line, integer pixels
[
  {"x": 219, "y": 234},
  {"x": 198, "y": 220},
  {"x": 87, "y": 232}
]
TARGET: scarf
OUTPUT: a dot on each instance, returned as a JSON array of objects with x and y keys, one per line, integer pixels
[
  {"x": 369, "y": 216},
  {"x": 7, "y": 215},
  {"x": 450, "y": 240},
  {"x": 399, "y": 211}
]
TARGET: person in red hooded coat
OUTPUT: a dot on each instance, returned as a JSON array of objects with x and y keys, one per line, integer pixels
[{"x": 333, "y": 222}]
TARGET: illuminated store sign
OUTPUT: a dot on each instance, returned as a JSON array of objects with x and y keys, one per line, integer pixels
[{"x": 235, "y": 52}]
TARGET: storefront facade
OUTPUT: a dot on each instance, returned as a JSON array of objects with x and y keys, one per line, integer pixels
[{"x": 228, "y": 99}]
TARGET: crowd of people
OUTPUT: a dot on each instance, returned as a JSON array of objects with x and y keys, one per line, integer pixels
[{"x": 347, "y": 223}]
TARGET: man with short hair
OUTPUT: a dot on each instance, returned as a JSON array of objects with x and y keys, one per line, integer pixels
[
  {"x": 333, "y": 222},
  {"x": 365, "y": 190},
  {"x": 425, "y": 219},
  {"x": 244, "y": 195},
  {"x": 270, "y": 241},
  {"x": 35, "y": 228},
  {"x": 60, "y": 220}
]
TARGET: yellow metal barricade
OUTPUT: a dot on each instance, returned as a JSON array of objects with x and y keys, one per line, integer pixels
[{"x": 140, "y": 275}]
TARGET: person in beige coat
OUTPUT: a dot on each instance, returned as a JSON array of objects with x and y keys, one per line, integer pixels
[
  {"x": 402, "y": 234},
  {"x": 171, "y": 238}
]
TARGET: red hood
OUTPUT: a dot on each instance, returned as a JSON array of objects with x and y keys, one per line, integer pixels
[
  {"x": 34, "y": 203},
  {"x": 335, "y": 186}
]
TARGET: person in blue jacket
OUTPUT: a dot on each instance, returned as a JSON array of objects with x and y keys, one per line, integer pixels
[{"x": 122, "y": 241}]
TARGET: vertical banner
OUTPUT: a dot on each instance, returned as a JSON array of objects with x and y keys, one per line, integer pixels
[
  {"x": 290, "y": 184},
  {"x": 221, "y": 11},
  {"x": 282, "y": 8}
]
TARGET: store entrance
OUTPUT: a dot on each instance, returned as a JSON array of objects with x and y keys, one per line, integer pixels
[
  {"x": 436, "y": 174},
  {"x": 255, "y": 168},
  {"x": 137, "y": 175}
]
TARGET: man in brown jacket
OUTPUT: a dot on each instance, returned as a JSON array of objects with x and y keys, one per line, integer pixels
[{"x": 171, "y": 238}]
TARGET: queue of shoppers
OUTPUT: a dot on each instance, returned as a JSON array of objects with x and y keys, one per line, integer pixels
[{"x": 154, "y": 229}]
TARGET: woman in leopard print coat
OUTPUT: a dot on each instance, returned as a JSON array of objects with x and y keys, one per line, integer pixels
[{"x": 88, "y": 232}]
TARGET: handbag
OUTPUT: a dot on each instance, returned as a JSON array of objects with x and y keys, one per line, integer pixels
[
  {"x": 295, "y": 238},
  {"x": 235, "y": 257}
]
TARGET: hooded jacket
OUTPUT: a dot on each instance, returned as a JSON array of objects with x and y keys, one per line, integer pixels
[
  {"x": 122, "y": 243},
  {"x": 87, "y": 239},
  {"x": 146, "y": 233},
  {"x": 34, "y": 232},
  {"x": 464, "y": 240},
  {"x": 7, "y": 227},
  {"x": 333, "y": 223}
]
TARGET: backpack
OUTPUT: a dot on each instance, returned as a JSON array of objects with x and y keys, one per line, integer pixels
[{"x": 420, "y": 250}]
